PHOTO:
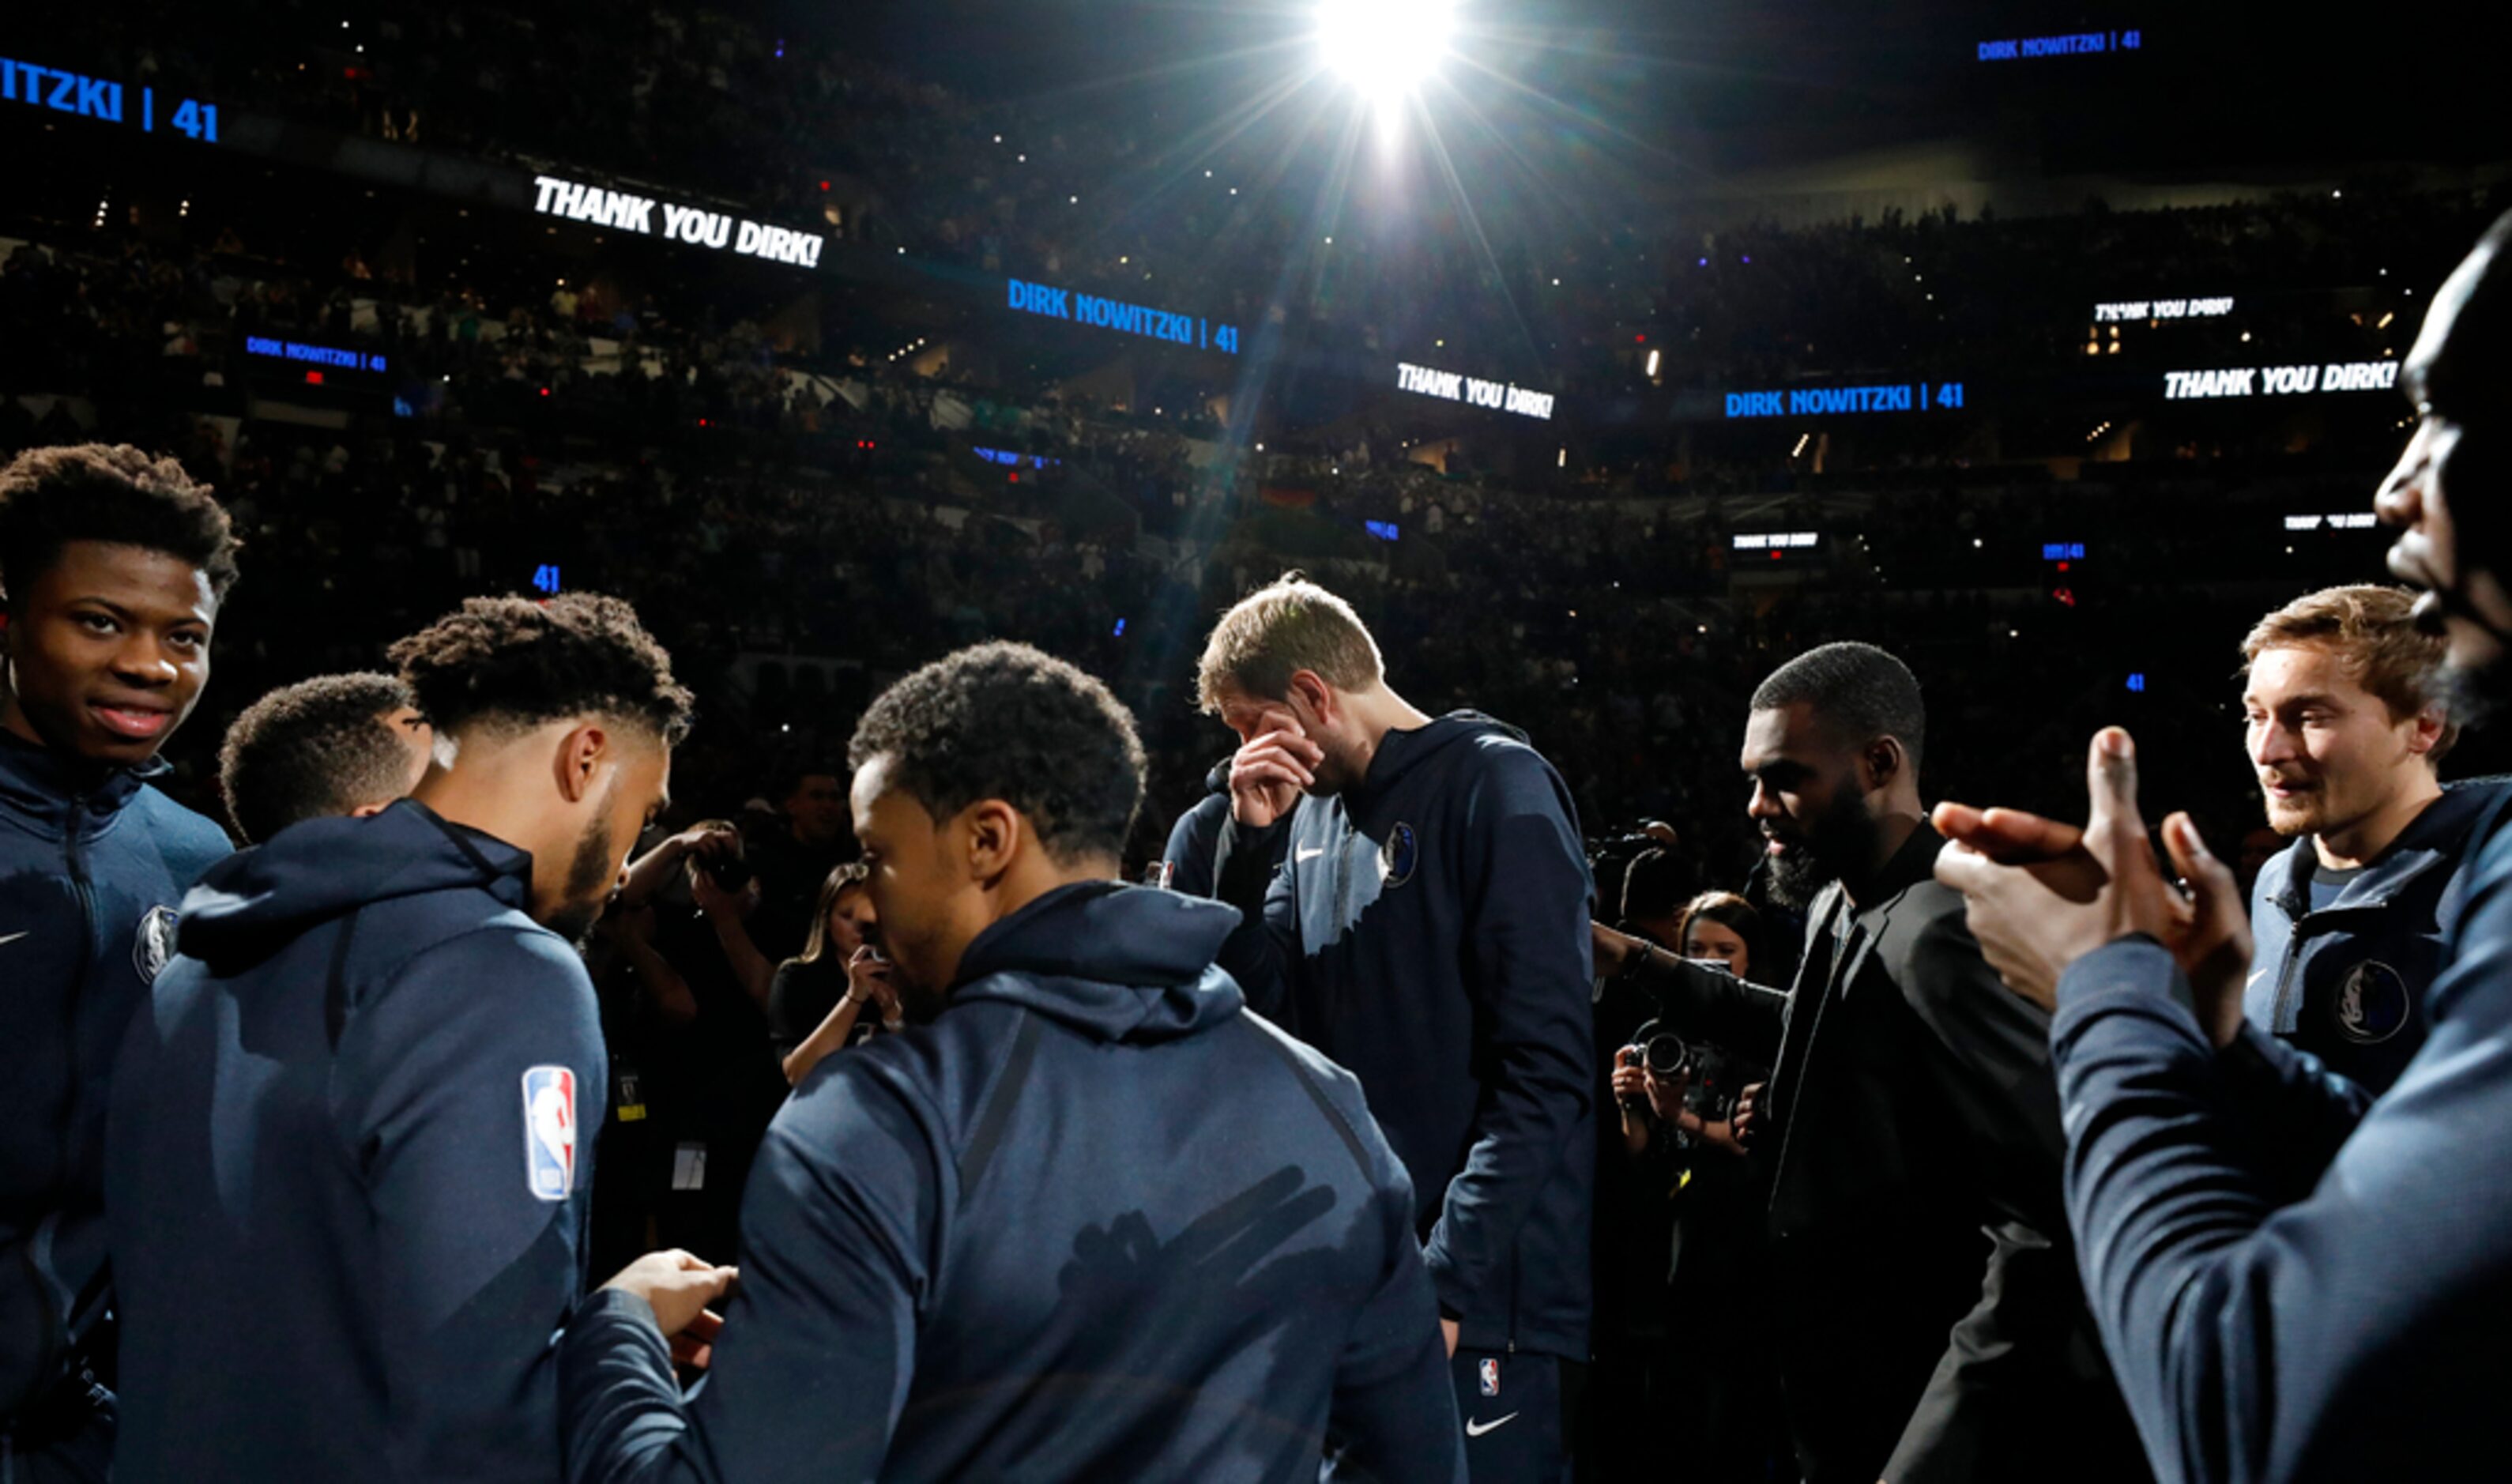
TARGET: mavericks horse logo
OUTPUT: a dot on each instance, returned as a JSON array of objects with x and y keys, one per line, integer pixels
[
  {"x": 2373, "y": 1003},
  {"x": 154, "y": 945},
  {"x": 1397, "y": 857}
]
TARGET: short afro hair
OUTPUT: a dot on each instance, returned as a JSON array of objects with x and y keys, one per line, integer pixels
[
  {"x": 1861, "y": 692},
  {"x": 113, "y": 494},
  {"x": 521, "y": 662},
  {"x": 316, "y": 748},
  {"x": 1004, "y": 721}
]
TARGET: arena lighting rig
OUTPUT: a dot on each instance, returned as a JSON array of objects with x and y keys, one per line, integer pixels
[{"x": 1385, "y": 49}]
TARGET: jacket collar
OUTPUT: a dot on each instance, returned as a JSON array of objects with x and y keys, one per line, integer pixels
[
  {"x": 2431, "y": 841},
  {"x": 1914, "y": 862},
  {"x": 45, "y": 789}
]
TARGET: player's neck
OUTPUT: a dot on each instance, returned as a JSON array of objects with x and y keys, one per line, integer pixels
[
  {"x": 1375, "y": 713},
  {"x": 2359, "y": 844}
]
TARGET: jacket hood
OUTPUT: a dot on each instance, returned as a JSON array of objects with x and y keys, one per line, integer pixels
[
  {"x": 252, "y": 904},
  {"x": 43, "y": 787},
  {"x": 1402, "y": 752},
  {"x": 1115, "y": 962}
]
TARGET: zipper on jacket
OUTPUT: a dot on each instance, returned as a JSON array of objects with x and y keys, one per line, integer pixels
[
  {"x": 2285, "y": 964},
  {"x": 86, "y": 891}
]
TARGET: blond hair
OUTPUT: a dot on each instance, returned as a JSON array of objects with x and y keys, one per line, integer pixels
[
  {"x": 1286, "y": 626},
  {"x": 2371, "y": 633}
]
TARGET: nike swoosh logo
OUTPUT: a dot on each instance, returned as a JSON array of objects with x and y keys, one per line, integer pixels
[
  {"x": 1309, "y": 855},
  {"x": 2255, "y": 978},
  {"x": 1477, "y": 1430},
  {"x": 13, "y": 937}
]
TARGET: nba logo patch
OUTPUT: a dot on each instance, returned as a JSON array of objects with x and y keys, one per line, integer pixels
[
  {"x": 549, "y": 1132},
  {"x": 1491, "y": 1378}
]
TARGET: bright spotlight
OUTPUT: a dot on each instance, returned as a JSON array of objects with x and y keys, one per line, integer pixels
[{"x": 1385, "y": 47}]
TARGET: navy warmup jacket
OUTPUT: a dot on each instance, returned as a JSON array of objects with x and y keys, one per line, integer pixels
[
  {"x": 1094, "y": 1223},
  {"x": 2295, "y": 1282},
  {"x": 2347, "y": 983},
  {"x": 1197, "y": 835},
  {"x": 348, "y": 1166},
  {"x": 91, "y": 867},
  {"x": 1428, "y": 929}
]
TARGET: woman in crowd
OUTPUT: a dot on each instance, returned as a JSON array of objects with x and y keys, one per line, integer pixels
[{"x": 840, "y": 971}]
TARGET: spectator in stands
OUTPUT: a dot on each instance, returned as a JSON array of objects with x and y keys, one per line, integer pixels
[
  {"x": 113, "y": 568},
  {"x": 2347, "y": 730},
  {"x": 1719, "y": 926},
  {"x": 337, "y": 744},
  {"x": 815, "y": 1005}
]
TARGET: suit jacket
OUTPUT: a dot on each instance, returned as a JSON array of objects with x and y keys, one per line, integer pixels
[{"x": 1931, "y": 1324}]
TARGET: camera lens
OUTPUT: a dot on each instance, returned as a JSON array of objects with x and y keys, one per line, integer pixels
[{"x": 1665, "y": 1055}]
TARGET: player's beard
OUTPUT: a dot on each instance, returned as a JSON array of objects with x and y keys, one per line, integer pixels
[
  {"x": 1841, "y": 841},
  {"x": 590, "y": 874},
  {"x": 1797, "y": 876}
]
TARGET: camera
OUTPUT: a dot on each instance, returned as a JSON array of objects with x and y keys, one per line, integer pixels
[
  {"x": 1711, "y": 1090},
  {"x": 729, "y": 872},
  {"x": 1664, "y": 1054}
]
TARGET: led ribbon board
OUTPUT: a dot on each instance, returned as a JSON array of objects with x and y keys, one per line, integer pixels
[
  {"x": 106, "y": 101},
  {"x": 1072, "y": 304},
  {"x": 2074, "y": 45},
  {"x": 2279, "y": 380},
  {"x": 627, "y": 212},
  {"x": 313, "y": 355},
  {"x": 2162, "y": 309},
  {"x": 1810, "y": 400},
  {"x": 1456, "y": 386}
]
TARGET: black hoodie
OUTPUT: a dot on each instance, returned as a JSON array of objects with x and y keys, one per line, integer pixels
[
  {"x": 348, "y": 1163},
  {"x": 1093, "y": 1223}
]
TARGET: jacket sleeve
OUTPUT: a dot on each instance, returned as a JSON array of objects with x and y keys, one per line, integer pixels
[
  {"x": 818, "y": 1347},
  {"x": 1194, "y": 841},
  {"x": 1528, "y": 964},
  {"x": 2257, "y": 1342},
  {"x": 1712, "y": 1004},
  {"x": 1988, "y": 1055},
  {"x": 44, "y": 1277},
  {"x": 479, "y": 1267},
  {"x": 1395, "y": 1410},
  {"x": 1263, "y": 953},
  {"x": 2294, "y": 1110}
]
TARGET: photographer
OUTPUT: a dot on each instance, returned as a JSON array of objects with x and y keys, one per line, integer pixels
[
  {"x": 1691, "y": 1215},
  {"x": 707, "y": 987},
  {"x": 1715, "y": 928}
]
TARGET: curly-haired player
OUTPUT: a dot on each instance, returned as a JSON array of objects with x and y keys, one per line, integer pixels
[
  {"x": 1095, "y": 1221},
  {"x": 114, "y": 566},
  {"x": 337, "y": 744},
  {"x": 378, "y": 1071}
]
